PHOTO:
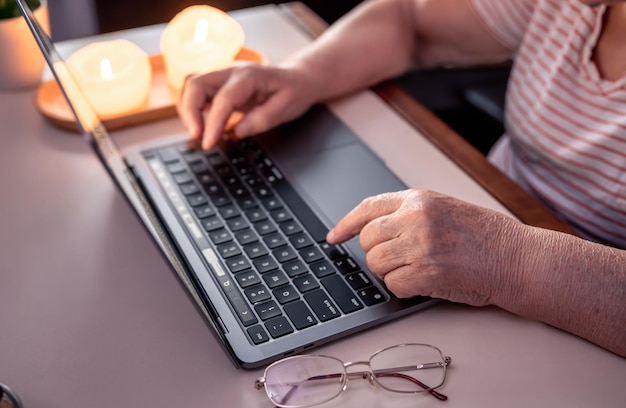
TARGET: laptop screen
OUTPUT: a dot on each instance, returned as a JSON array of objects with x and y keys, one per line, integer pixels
[{"x": 94, "y": 132}]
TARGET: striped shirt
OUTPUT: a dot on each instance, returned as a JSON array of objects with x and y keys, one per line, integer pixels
[{"x": 565, "y": 139}]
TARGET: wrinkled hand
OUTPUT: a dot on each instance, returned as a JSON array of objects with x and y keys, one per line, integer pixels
[
  {"x": 425, "y": 243},
  {"x": 266, "y": 96}
]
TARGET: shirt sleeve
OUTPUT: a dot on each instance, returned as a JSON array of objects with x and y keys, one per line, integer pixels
[{"x": 506, "y": 20}]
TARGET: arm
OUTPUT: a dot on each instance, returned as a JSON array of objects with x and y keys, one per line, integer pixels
[
  {"x": 424, "y": 243},
  {"x": 378, "y": 40},
  {"x": 381, "y": 39}
]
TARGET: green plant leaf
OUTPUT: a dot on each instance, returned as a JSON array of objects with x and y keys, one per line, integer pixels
[{"x": 9, "y": 9}]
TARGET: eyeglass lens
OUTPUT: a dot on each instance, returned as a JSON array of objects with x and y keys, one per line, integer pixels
[{"x": 304, "y": 380}]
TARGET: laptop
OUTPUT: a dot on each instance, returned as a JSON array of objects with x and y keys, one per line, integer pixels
[{"x": 243, "y": 225}]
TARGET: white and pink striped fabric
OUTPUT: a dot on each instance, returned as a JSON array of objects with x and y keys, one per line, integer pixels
[{"x": 565, "y": 138}]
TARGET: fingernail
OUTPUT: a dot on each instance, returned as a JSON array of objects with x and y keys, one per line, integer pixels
[{"x": 331, "y": 235}]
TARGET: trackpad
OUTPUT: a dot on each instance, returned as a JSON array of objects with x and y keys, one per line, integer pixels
[{"x": 335, "y": 180}]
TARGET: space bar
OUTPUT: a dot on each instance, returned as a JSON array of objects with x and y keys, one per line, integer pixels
[{"x": 301, "y": 210}]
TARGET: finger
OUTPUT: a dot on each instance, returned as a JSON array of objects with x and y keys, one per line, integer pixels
[
  {"x": 382, "y": 229},
  {"x": 197, "y": 91},
  {"x": 406, "y": 281},
  {"x": 234, "y": 94},
  {"x": 364, "y": 213},
  {"x": 272, "y": 112},
  {"x": 387, "y": 256}
]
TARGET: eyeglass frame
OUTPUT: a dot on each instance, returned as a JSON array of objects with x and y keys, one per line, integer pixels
[{"x": 370, "y": 375}]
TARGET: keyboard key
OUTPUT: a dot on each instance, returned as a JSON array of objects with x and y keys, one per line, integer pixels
[
  {"x": 247, "y": 202},
  {"x": 333, "y": 252},
  {"x": 341, "y": 293},
  {"x": 238, "y": 191},
  {"x": 290, "y": 227},
  {"x": 281, "y": 215},
  {"x": 228, "y": 250},
  {"x": 371, "y": 295},
  {"x": 265, "y": 227},
  {"x": 220, "y": 236},
  {"x": 295, "y": 268},
  {"x": 247, "y": 279},
  {"x": 284, "y": 254},
  {"x": 237, "y": 224},
  {"x": 246, "y": 237},
  {"x": 286, "y": 294},
  {"x": 204, "y": 211},
  {"x": 198, "y": 166},
  {"x": 311, "y": 255},
  {"x": 258, "y": 334},
  {"x": 278, "y": 327},
  {"x": 229, "y": 211},
  {"x": 238, "y": 263},
  {"x": 182, "y": 178},
  {"x": 256, "y": 215},
  {"x": 196, "y": 200},
  {"x": 168, "y": 155},
  {"x": 306, "y": 283},
  {"x": 271, "y": 203},
  {"x": 321, "y": 304},
  {"x": 205, "y": 178},
  {"x": 265, "y": 264},
  {"x": 300, "y": 241},
  {"x": 300, "y": 315},
  {"x": 358, "y": 280},
  {"x": 323, "y": 268},
  {"x": 189, "y": 188},
  {"x": 274, "y": 241},
  {"x": 212, "y": 188},
  {"x": 242, "y": 310},
  {"x": 346, "y": 265},
  {"x": 212, "y": 224},
  {"x": 255, "y": 250},
  {"x": 220, "y": 199},
  {"x": 176, "y": 167},
  {"x": 275, "y": 278},
  {"x": 267, "y": 310},
  {"x": 257, "y": 293}
]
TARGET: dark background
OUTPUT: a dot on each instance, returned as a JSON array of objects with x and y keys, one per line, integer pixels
[{"x": 470, "y": 101}]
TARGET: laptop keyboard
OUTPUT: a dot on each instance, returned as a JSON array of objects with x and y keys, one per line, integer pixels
[{"x": 264, "y": 244}]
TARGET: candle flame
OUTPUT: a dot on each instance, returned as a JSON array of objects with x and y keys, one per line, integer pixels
[
  {"x": 106, "y": 70},
  {"x": 202, "y": 31}
]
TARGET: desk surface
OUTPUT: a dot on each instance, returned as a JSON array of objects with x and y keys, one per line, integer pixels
[{"x": 92, "y": 316}]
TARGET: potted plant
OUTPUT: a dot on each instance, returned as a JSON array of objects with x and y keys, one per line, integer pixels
[{"x": 21, "y": 62}]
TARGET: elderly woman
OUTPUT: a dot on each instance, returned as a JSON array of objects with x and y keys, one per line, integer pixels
[{"x": 565, "y": 143}]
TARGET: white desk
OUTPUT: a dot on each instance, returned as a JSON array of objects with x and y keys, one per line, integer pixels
[{"x": 92, "y": 316}]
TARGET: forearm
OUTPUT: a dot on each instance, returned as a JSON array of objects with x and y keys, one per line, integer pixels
[
  {"x": 381, "y": 39},
  {"x": 569, "y": 283},
  {"x": 371, "y": 43}
]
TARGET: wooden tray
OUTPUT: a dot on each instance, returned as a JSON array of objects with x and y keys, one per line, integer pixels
[{"x": 50, "y": 101}]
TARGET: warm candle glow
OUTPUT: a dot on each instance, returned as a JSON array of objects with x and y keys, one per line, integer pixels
[
  {"x": 202, "y": 31},
  {"x": 106, "y": 70},
  {"x": 114, "y": 75},
  {"x": 199, "y": 39}
]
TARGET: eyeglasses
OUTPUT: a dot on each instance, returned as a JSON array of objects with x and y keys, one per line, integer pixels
[
  {"x": 8, "y": 398},
  {"x": 303, "y": 381}
]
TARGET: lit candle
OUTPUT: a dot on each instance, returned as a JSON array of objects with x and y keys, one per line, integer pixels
[
  {"x": 114, "y": 75},
  {"x": 199, "y": 39}
]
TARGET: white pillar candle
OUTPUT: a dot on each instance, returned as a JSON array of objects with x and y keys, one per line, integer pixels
[
  {"x": 199, "y": 39},
  {"x": 114, "y": 75}
]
